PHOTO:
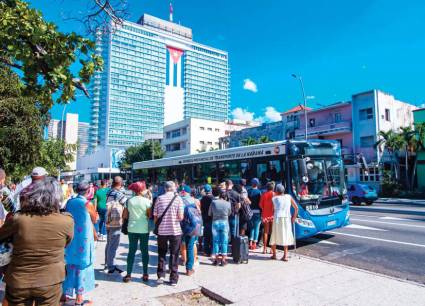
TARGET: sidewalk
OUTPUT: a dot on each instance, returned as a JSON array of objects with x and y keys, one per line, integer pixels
[
  {"x": 401, "y": 201},
  {"x": 301, "y": 281}
]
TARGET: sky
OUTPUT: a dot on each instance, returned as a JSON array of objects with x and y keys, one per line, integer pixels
[{"x": 338, "y": 47}]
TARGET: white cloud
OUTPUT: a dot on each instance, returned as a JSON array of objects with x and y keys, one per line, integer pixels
[
  {"x": 271, "y": 114},
  {"x": 249, "y": 85},
  {"x": 242, "y": 114}
]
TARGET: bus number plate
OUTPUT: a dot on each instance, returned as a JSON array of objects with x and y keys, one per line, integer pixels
[
  {"x": 331, "y": 223},
  {"x": 312, "y": 207}
]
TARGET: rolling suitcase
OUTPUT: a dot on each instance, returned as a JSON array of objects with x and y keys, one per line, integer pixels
[{"x": 240, "y": 245}]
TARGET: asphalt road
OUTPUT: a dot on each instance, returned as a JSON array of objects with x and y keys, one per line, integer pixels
[{"x": 387, "y": 238}]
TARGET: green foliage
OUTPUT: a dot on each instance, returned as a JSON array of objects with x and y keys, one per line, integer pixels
[
  {"x": 141, "y": 152},
  {"x": 54, "y": 154},
  {"x": 43, "y": 54},
  {"x": 21, "y": 133},
  {"x": 252, "y": 141},
  {"x": 20, "y": 126}
]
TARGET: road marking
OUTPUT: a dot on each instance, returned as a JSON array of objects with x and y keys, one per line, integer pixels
[
  {"x": 390, "y": 223},
  {"x": 357, "y": 226},
  {"x": 352, "y": 251},
  {"x": 317, "y": 240},
  {"x": 393, "y": 218},
  {"x": 379, "y": 239}
]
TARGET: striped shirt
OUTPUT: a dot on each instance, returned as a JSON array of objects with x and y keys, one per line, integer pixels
[{"x": 170, "y": 224}]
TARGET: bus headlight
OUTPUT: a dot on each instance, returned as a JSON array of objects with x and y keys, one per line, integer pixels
[
  {"x": 305, "y": 222},
  {"x": 347, "y": 216}
]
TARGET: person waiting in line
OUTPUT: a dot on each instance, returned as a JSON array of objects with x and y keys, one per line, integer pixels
[
  {"x": 169, "y": 208},
  {"x": 235, "y": 200},
  {"x": 266, "y": 205},
  {"x": 282, "y": 224},
  {"x": 191, "y": 227},
  {"x": 244, "y": 201},
  {"x": 206, "y": 201},
  {"x": 254, "y": 195},
  {"x": 100, "y": 204},
  {"x": 79, "y": 254},
  {"x": 137, "y": 213},
  {"x": 40, "y": 233},
  {"x": 220, "y": 211},
  {"x": 115, "y": 201}
]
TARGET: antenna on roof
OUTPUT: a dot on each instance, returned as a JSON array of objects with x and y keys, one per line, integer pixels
[{"x": 171, "y": 12}]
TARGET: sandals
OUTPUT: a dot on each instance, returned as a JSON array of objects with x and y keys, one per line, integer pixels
[
  {"x": 273, "y": 257},
  {"x": 284, "y": 258},
  {"x": 84, "y": 303}
]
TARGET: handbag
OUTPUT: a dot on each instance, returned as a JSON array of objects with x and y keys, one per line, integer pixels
[
  {"x": 246, "y": 211},
  {"x": 6, "y": 250},
  {"x": 124, "y": 227},
  {"x": 158, "y": 222}
]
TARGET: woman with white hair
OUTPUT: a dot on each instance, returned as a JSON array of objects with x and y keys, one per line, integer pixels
[
  {"x": 79, "y": 254},
  {"x": 282, "y": 224},
  {"x": 39, "y": 233}
]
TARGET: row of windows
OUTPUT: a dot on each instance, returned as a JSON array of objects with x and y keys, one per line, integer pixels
[
  {"x": 134, "y": 79},
  {"x": 202, "y": 142},
  {"x": 210, "y": 75},
  {"x": 209, "y": 129},
  {"x": 175, "y": 146},
  {"x": 337, "y": 117},
  {"x": 209, "y": 52},
  {"x": 190, "y": 80},
  {"x": 154, "y": 66},
  {"x": 140, "y": 85},
  {"x": 372, "y": 175},
  {"x": 136, "y": 90},
  {"x": 213, "y": 67},
  {"x": 176, "y": 133},
  {"x": 135, "y": 103},
  {"x": 366, "y": 113},
  {"x": 135, "y": 38},
  {"x": 141, "y": 51},
  {"x": 134, "y": 70},
  {"x": 136, "y": 96},
  {"x": 137, "y": 57},
  {"x": 138, "y": 30}
]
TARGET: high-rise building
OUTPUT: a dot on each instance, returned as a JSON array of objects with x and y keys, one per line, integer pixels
[
  {"x": 71, "y": 131},
  {"x": 154, "y": 75}
]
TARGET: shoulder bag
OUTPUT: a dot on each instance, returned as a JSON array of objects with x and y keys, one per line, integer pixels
[{"x": 158, "y": 222}]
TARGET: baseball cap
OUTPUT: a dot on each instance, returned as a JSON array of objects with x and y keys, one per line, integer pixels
[
  {"x": 185, "y": 188},
  {"x": 207, "y": 188},
  {"x": 39, "y": 171}
]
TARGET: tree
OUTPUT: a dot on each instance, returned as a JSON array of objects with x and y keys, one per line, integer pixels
[
  {"x": 55, "y": 154},
  {"x": 391, "y": 142},
  {"x": 20, "y": 126},
  {"x": 43, "y": 55},
  {"x": 407, "y": 136},
  {"x": 419, "y": 145},
  {"x": 148, "y": 150},
  {"x": 249, "y": 141}
]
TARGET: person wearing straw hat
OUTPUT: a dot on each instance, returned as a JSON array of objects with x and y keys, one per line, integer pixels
[{"x": 282, "y": 221}]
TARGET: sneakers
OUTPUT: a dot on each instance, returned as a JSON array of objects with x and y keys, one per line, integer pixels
[
  {"x": 160, "y": 280},
  {"x": 173, "y": 283},
  {"x": 111, "y": 271}
]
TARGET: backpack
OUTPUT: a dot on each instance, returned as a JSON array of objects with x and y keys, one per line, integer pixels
[
  {"x": 246, "y": 211},
  {"x": 192, "y": 222},
  {"x": 114, "y": 214}
]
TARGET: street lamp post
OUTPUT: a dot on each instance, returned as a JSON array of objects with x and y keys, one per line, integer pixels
[{"x": 305, "y": 100}]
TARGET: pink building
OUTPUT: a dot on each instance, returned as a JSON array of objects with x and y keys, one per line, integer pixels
[{"x": 331, "y": 122}]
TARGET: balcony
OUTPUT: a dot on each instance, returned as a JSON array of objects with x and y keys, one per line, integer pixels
[{"x": 326, "y": 129}]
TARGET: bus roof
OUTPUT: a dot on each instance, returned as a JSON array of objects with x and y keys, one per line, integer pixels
[{"x": 259, "y": 150}]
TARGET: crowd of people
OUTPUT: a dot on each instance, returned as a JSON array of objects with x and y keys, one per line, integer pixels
[{"x": 54, "y": 230}]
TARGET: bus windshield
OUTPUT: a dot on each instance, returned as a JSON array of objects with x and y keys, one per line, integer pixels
[{"x": 324, "y": 178}]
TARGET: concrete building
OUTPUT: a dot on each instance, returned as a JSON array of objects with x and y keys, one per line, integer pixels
[
  {"x": 154, "y": 75},
  {"x": 83, "y": 138},
  {"x": 273, "y": 130},
  {"x": 191, "y": 136},
  {"x": 355, "y": 124},
  {"x": 67, "y": 130}
]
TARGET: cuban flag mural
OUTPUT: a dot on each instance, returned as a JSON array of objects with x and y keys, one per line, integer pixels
[
  {"x": 174, "y": 89},
  {"x": 174, "y": 67}
]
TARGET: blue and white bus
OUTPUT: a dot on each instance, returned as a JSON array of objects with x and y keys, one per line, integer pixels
[{"x": 312, "y": 172}]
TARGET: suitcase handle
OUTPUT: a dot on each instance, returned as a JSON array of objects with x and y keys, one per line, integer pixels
[{"x": 236, "y": 229}]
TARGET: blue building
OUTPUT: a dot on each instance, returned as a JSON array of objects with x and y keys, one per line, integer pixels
[{"x": 154, "y": 75}]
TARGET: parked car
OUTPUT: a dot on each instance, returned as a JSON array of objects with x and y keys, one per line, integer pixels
[{"x": 359, "y": 193}]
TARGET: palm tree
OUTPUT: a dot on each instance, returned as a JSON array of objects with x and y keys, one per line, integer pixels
[
  {"x": 408, "y": 141},
  {"x": 391, "y": 142},
  {"x": 419, "y": 145}
]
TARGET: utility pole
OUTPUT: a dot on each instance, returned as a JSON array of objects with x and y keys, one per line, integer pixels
[{"x": 305, "y": 100}]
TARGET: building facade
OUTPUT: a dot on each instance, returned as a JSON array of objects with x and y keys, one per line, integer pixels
[
  {"x": 419, "y": 118},
  {"x": 154, "y": 75},
  {"x": 191, "y": 136}
]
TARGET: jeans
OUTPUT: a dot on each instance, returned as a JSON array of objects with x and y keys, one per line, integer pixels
[
  {"x": 190, "y": 252},
  {"x": 207, "y": 239},
  {"x": 254, "y": 226},
  {"x": 112, "y": 243},
  {"x": 102, "y": 220},
  {"x": 220, "y": 232},
  {"x": 232, "y": 227},
  {"x": 171, "y": 243},
  {"x": 134, "y": 239}
]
